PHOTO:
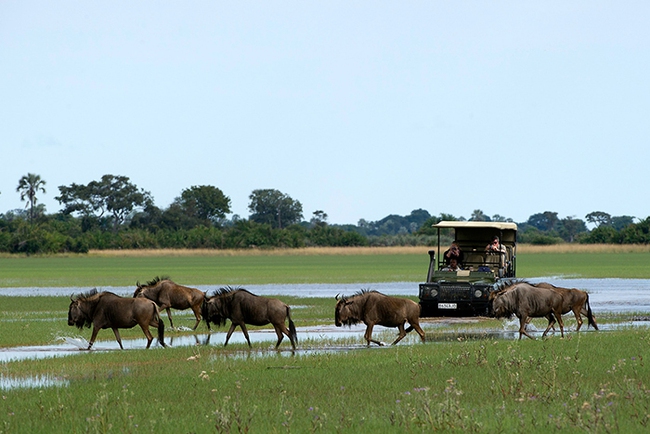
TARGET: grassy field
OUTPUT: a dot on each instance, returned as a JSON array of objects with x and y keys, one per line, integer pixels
[
  {"x": 589, "y": 381},
  {"x": 563, "y": 385},
  {"x": 331, "y": 265}
]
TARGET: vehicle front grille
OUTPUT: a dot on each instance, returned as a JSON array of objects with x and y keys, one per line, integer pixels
[{"x": 455, "y": 292}]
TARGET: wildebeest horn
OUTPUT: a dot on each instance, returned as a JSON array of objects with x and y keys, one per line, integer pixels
[{"x": 337, "y": 296}]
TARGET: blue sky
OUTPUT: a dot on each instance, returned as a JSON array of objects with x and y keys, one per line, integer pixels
[{"x": 360, "y": 109}]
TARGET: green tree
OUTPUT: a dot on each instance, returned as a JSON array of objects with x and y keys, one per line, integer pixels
[
  {"x": 273, "y": 207},
  {"x": 205, "y": 202},
  {"x": 319, "y": 218},
  {"x": 621, "y": 222},
  {"x": 113, "y": 196},
  {"x": 569, "y": 227},
  {"x": 479, "y": 216},
  {"x": 545, "y": 221},
  {"x": 28, "y": 186},
  {"x": 599, "y": 218}
]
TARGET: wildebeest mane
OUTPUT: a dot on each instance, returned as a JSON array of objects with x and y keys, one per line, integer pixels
[
  {"x": 84, "y": 296},
  {"x": 226, "y": 290},
  {"x": 226, "y": 294},
  {"x": 155, "y": 281},
  {"x": 150, "y": 284},
  {"x": 360, "y": 293},
  {"x": 504, "y": 285}
]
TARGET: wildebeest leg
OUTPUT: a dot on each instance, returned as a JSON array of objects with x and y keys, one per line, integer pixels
[
  {"x": 243, "y": 328},
  {"x": 418, "y": 329},
  {"x": 368, "y": 335},
  {"x": 93, "y": 337},
  {"x": 230, "y": 330},
  {"x": 576, "y": 312},
  {"x": 558, "y": 314},
  {"x": 147, "y": 333},
  {"x": 401, "y": 335},
  {"x": 117, "y": 336},
  {"x": 551, "y": 323},
  {"x": 280, "y": 332},
  {"x": 169, "y": 315},
  {"x": 522, "y": 327},
  {"x": 197, "y": 314}
]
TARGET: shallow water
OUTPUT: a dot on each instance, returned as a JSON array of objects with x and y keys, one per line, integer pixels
[
  {"x": 605, "y": 295},
  {"x": 7, "y": 383}
]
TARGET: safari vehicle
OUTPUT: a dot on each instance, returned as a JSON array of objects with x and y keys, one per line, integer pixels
[{"x": 466, "y": 292}]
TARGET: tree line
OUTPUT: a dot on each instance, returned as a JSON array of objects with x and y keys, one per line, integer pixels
[{"x": 113, "y": 213}]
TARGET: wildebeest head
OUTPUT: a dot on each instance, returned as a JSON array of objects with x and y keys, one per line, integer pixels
[
  {"x": 501, "y": 306},
  {"x": 213, "y": 310},
  {"x": 345, "y": 314},
  {"x": 78, "y": 315}
]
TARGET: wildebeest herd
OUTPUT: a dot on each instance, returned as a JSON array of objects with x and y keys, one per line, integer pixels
[{"x": 103, "y": 310}]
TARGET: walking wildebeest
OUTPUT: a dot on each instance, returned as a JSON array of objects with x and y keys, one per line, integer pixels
[
  {"x": 374, "y": 308},
  {"x": 241, "y": 308},
  {"x": 107, "y": 310},
  {"x": 527, "y": 301},
  {"x": 574, "y": 300},
  {"x": 168, "y": 294}
]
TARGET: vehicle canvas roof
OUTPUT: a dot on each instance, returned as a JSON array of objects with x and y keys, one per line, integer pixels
[{"x": 484, "y": 225}]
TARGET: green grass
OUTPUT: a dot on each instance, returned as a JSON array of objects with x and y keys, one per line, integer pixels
[
  {"x": 85, "y": 271},
  {"x": 474, "y": 386},
  {"x": 91, "y": 271},
  {"x": 589, "y": 381}
]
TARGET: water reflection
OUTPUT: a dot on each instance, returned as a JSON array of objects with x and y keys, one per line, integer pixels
[{"x": 8, "y": 383}]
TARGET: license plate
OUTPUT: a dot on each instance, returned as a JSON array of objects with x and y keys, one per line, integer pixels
[{"x": 447, "y": 306}]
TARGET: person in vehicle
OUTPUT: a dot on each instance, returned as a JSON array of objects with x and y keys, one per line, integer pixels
[
  {"x": 495, "y": 246},
  {"x": 453, "y": 265},
  {"x": 453, "y": 252}
]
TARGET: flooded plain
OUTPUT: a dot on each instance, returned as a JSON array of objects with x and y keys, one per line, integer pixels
[
  {"x": 609, "y": 295},
  {"x": 605, "y": 295}
]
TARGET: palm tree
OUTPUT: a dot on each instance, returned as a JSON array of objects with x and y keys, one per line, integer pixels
[{"x": 28, "y": 186}]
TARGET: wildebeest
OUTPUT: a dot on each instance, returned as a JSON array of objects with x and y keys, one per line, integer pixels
[
  {"x": 105, "y": 310},
  {"x": 374, "y": 308},
  {"x": 527, "y": 301},
  {"x": 168, "y": 294},
  {"x": 242, "y": 307},
  {"x": 574, "y": 300}
]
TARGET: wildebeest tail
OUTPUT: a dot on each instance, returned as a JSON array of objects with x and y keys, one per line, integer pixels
[
  {"x": 590, "y": 317},
  {"x": 161, "y": 327},
  {"x": 292, "y": 326}
]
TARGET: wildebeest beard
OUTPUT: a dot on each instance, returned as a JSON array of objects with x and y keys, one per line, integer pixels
[{"x": 351, "y": 321}]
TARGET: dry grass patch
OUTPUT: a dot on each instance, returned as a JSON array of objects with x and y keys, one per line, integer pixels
[
  {"x": 343, "y": 251},
  {"x": 584, "y": 248},
  {"x": 307, "y": 251}
]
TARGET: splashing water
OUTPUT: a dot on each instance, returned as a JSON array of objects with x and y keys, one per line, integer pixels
[{"x": 80, "y": 343}]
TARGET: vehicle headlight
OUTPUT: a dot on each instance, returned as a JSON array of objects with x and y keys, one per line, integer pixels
[
  {"x": 478, "y": 293},
  {"x": 434, "y": 293}
]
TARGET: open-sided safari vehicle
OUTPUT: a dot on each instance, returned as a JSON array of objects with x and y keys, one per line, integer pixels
[{"x": 466, "y": 292}]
